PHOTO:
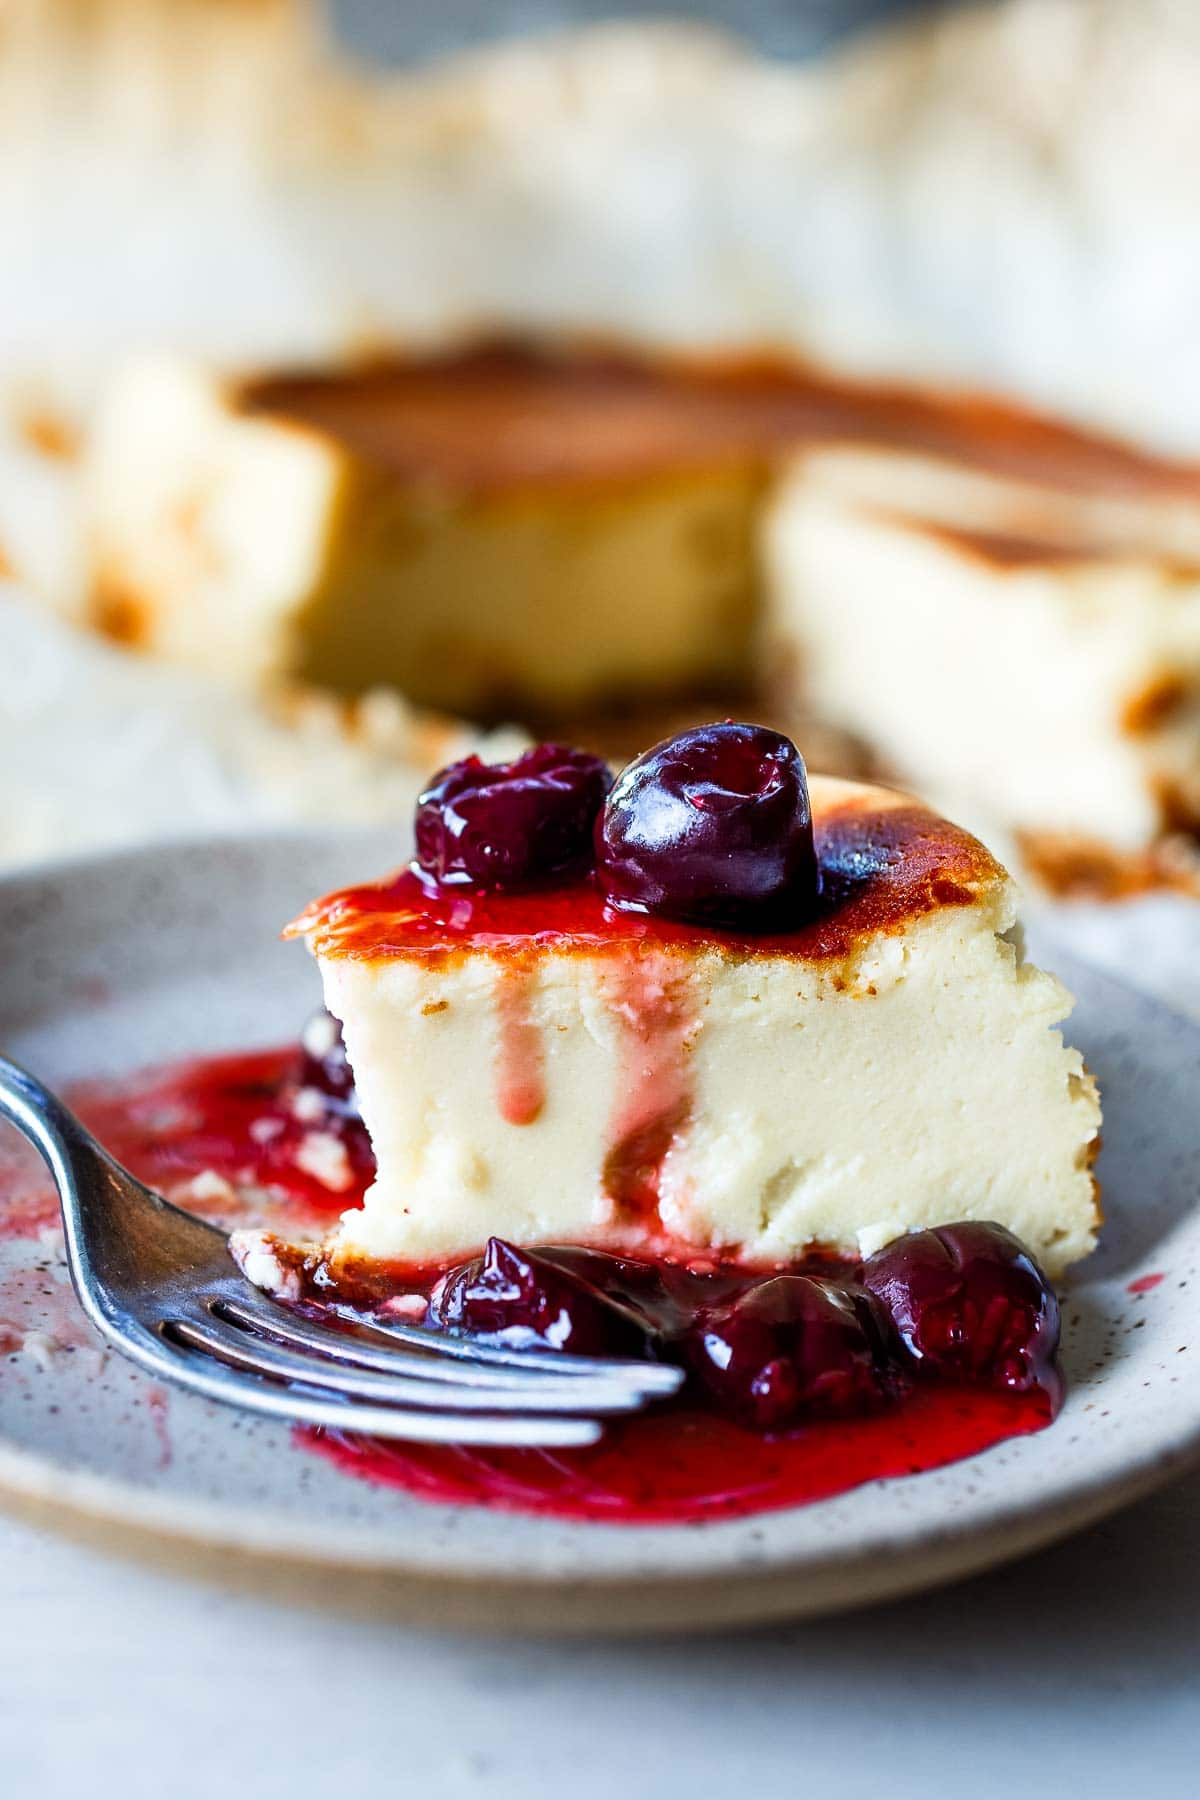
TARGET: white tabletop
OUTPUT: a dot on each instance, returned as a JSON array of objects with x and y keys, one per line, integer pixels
[{"x": 1074, "y": 1672}]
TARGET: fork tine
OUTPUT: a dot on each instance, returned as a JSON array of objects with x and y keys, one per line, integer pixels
[
  {"x": 195, "y": 1370},
  {"x": 228, "y": 1344},
  {"x": 302, "y": 1333},
  {"x": 432, "y": 1356},
  {"x": 197, "y": 1373},
  {"x": 658, "y": 1379}
]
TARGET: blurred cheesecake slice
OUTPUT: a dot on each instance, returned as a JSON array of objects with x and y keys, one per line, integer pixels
[
  {"x": 1022, "y": 640},
  {"x": 486, "y": 531}
]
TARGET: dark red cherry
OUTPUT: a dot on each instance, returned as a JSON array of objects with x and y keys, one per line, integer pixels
[
  {"x": 789, "y": 1348},
  {"x": 714, "y": 827},
  {"x": 526, "y": 1300},
  {"x": 642, "y": 1291},
  {"x": 968, "y": 1302},
  {"x": 507, "y": 825},
  {"x": 323, "y": 1063}
]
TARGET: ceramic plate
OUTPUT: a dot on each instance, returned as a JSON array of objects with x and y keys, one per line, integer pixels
[{"x": 114, "y": 963}]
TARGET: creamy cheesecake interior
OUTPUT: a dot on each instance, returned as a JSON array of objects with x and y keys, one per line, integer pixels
[{"x": 537, "y": 1067}]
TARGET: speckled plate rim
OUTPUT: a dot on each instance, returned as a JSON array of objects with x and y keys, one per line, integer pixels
[{"x": 321, "y": 1560}]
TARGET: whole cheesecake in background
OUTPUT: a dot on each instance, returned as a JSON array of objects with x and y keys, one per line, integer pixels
[
  {"x": 555, "y": 531},
  {"x": 530, "y": 527},
  {"x": 858, "y": 1049}
]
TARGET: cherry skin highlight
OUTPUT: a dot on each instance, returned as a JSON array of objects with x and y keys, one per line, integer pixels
[
  {"x": 713, "y": 827},
  {"x": 510, "y": 825},
  {"x": 787, "y": 1349},
  {"x": 969, "y": 1303},
  {"x": 525, "y": 1300}
]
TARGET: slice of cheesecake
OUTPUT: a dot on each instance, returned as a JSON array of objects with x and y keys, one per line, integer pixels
[
  {"x": 540, "y": 1066},
  {"x": 1020, "y": 640}
]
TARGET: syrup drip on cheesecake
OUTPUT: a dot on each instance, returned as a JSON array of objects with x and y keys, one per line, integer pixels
[
  {"x": 520, "y": 1083},
  {"x": 654, "y": 1094}
]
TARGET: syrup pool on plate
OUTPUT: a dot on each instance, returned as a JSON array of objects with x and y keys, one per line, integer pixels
[{"x": 681, "y": 1467}]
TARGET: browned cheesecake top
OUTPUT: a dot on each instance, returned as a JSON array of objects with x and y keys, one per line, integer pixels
[
  {"x": 1013, "y": 550},
  {"x": 885, "y": 862},
  {"x": 503, "y": 413}
]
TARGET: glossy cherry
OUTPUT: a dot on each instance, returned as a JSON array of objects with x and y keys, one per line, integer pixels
[
  {"x": 509, "y": 825},
  {"x": 523, "y": 1298},
  {"x": 713, "y": 826},
  {"x": 789, "y": 1348},
  {"x": 969, "y": 1303}
]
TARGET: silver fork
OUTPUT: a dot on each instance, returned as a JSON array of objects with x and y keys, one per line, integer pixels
[{"x": 161, "y": 1287}]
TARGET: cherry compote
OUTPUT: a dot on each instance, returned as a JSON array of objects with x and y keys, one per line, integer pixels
[
  {"x": 517, "y": 1297},
  {"x": 791, "y": 1348},
  {"x": 775, "y": 1350},
  {"x": 801, "y": 1385},
  {"x": 712, "y": 827},
  {"x": 509, "y": 825}
]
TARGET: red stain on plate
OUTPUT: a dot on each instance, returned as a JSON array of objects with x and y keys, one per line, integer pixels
[{"x": 683, "y": 1467}]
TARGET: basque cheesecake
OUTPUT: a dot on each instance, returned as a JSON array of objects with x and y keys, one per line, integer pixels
[
  {"x": 753, "y": 1027},
  {"x": 551, "y": 530},
  {"x": 532, "y": 526}
]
